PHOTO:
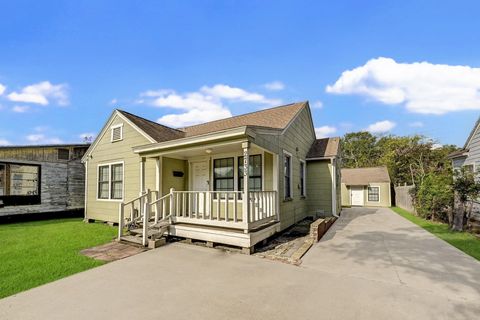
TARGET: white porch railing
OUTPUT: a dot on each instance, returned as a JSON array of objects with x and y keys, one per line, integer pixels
[{"x": 210, "y": 208}]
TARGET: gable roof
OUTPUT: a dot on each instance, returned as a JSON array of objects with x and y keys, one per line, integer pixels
[
  {"x": 324, "y": 148},
  {"x": 273, "y": 118},
  {"x": 156, "y": 131},
  {"x": 364, "y": 176},
  {"x": 472, "y": 133}
]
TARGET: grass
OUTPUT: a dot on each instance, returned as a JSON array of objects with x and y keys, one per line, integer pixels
[
  {"x": 463, "y": 241},
  {"x": 34, "y": 253}
]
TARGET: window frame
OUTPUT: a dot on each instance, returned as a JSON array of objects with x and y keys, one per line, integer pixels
[
  {"x": 303, "y": 180},
  {"x": 223, "y": 178},
  {"x": 110, "y": 164},
  {"x": 239, "y": 179},
  {"x": 368, "y": 193},
  {"x": 112, "y": 128},
  {"x": 20, "y": 199},
  {"x": 290, "y": 189}
]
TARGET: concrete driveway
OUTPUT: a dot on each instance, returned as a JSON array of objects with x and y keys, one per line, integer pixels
[{"x": 372, "y": 264}]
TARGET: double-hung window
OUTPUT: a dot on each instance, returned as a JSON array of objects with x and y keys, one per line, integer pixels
[
  {"x": 287, "y": 173},
  {"x": 373, "y": 194},
  {"x": 223, "y": 174},
  {"x": 254, "y": 173},
  {"x": 110, "y": 181}
]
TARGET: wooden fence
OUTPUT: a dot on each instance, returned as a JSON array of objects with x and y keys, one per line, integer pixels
[{"x": 403, "y": 199}]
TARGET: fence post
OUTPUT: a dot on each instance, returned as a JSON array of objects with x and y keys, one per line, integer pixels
[{"x": 120, "y": 220}]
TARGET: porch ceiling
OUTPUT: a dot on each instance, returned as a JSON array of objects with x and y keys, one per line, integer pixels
[{"x": 207, "y": 149}]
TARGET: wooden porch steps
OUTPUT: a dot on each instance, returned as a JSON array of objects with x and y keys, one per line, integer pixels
[
  {"x": 132, "y": 239},
  {"x": 154, "y": 232}
]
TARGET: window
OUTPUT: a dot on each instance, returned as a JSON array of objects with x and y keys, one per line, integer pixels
[
  {"x": 110, "y": 181},
  {"x": 254, "y": 173},
  {"x": 287, "y": 173},
  {"x": 19, "y": 184},
  {"x": 374, "y": 194},
  {"x": 63, "y": 154},
  {"x": 223, "y": 174},
  {"x": 302, "y": 178},
  {"x": 117, "y": 133}
]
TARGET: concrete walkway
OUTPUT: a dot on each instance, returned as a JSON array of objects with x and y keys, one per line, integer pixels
[{"x": 372, "y": 264}]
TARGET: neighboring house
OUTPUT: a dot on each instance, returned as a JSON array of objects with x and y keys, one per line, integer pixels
[
  {"x": 192, "y": 181},
  {"x": 42, "y": 179},
  {"x": 369, "y": 187},
  {"x": 469, "y": 158}
]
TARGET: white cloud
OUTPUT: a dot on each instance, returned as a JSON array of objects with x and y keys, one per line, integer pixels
[
  {"x": 4, "y": 142},
  {"x": 422, "y": 87},
  {"x": 20, "y": 109},
  {"x": 317, "y": 104},
  {"x": 325, "y": 131},
  {"x": 416, "y": 124},
  {"x": 2, "y": 89},
  {"x": 41, "y": 93},
  {"x": 274, "y": 86},
  {"x": 114, "y": 101},
  {"x": 204, "y": 105},
  {"x": 381, "y": 126},
  {"x": 87, "y": 136},
  {"x": 40, "y": 138}
]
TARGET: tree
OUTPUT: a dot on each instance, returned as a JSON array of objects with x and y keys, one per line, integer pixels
[
  {"x": 359, "y": 150},
  {"x": 466, "y": 188},
  {"x": 434, "y": 196}
]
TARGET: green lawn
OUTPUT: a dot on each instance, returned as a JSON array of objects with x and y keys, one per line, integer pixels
[
  {"x": 34, "y": 253},
  {"x": 464, "y": 241}
]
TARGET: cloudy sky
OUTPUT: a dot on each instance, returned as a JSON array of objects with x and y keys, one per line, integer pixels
[{"x": 395, "y": 67}]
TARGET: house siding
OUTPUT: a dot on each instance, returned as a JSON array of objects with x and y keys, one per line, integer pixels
[
  {"x": 107, "y": 152},
  {"x": 319, "y": 188}
]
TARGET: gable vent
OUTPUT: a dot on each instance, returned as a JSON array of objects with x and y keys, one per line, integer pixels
[{"x": 117, "y": 133}]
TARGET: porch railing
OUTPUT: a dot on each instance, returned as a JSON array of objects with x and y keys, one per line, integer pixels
[{"x": 209, "y": 208}]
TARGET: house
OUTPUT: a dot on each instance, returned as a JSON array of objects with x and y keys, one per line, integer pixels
[
  {"x": 469, "y": 158},
  {"x": 369, "y": 187},
  {"x": 235, "y": 181},
  {"x": 42, "y": 179}
]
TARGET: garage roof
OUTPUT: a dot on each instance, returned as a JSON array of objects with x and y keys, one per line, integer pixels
[{"x": 365, "y": 176}]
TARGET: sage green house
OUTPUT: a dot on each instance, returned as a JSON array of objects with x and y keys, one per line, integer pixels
[
  {"x": 369, "y": 187},
  {"x": 235, "y": 181}
]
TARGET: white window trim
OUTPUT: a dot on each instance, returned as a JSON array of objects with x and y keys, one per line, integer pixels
[
  {"x": 304, "y": 195},
  {"x": 109, "y": 164},
  {"x": 379, "y": 192},
  {"x": 291, "y": 174},
  {"x": 235, "y": 156},
  {"x": 121, "y": 132}
]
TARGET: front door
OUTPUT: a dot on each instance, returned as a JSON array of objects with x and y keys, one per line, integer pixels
[
  {"x": 199, "y": 183},
  {"x": 357, "y": 196}
]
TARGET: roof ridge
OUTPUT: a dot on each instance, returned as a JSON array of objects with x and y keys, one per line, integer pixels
[
  {"x": 153, "y": 122},
  {"x": 244, "y": 114}
]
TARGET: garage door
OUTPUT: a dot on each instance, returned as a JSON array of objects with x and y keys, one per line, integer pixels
[{"x": 357, "y": 196}]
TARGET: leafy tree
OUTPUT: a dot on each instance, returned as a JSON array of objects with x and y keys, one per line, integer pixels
[
  {"x": 434, "y": 197},
  {"x": 359, "y": 150},
  {"x": 466, "y": 188}
]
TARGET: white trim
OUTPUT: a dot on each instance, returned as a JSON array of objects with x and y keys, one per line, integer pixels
[
  {"x": 334, "y": 187},
  {"x": 363, "y": 195},
  {"x": 285, "y": 152},
  {"x": 112, "y": 128},
  {"x": 109, "y": 164},
  {"x": 304, "y": 178},
  {"x": 86, "y": 191},
  {"x": 379, "y": 193},
  {"x": 103, "y": 131},
  {"x": 204, "y": 138}
]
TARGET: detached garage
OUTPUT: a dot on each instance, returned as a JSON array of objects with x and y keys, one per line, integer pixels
[{"x": 368, "y": 187}]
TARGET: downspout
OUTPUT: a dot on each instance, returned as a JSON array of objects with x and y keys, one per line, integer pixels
[{"x": 334, "y": 188}]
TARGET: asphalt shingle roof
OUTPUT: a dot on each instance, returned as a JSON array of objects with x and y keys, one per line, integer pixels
[{"x": 364, "y": 176}]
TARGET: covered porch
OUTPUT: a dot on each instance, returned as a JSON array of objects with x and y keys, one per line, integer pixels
[{"x": 220, "y": 191}]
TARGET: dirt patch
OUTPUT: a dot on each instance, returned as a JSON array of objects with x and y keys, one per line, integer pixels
[{"x": 112, "y": 251}]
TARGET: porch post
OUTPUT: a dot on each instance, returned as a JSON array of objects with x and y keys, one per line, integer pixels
[
  {"x": 158, "y": 176},
  {"x": 276, "y": 185},
  {"x": 246, "y": 200}
]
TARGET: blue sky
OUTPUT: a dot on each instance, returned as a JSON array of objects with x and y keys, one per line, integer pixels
[{"x": 414, "y": 65}]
